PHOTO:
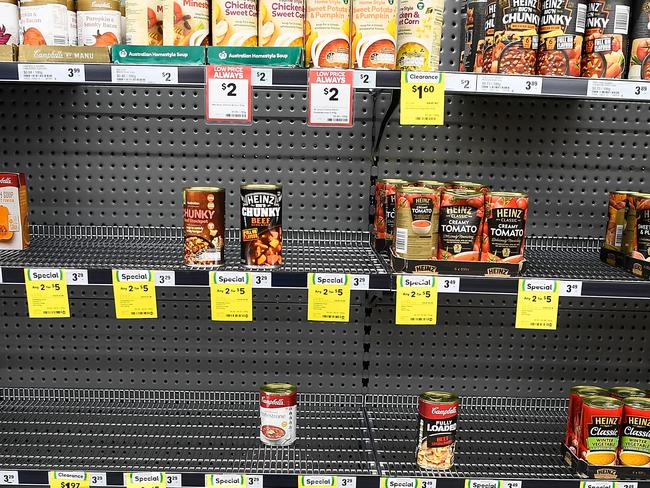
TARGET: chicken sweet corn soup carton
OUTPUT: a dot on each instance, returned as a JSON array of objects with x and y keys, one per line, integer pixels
[
  {"x": 327, "y": 31},
  {"x": 373, "y": 34},
  {"x": 419, "y": 31},
  {"x": 14, "y": 230},
  {"x": 281, "y": 23},
  {"x": 234, "y": 23}
]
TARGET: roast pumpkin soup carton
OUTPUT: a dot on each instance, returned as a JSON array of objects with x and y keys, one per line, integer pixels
[
  {"x": 327, "y": 31},
  {"x": 281, "y": 23},
  {"x": 234, "y": 23},
  {"x": 14, "y": 230},
  {"x": 373, "y": 34}
]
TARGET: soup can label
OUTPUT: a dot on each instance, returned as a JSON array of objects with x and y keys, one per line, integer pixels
[
  {"x": 278, "y": 414},
  {"x": 416, "y": 224},
  {"x": 204, "y": 222},
  {"x": 640, "y": 55},
  {"x": 643, "y": 228},
  {"x": 635, "y": 434},
  {"x": 504, "y": 228},
  {"x": 438, "y": 423},
  {"x": 461, "y": 220},
  {"x": 10, "y": 25},
  {"x": 474, "y": 31},
  {"x": 600, "y": 429},
  {"x": 515, "y": 37},
  {"x": 606, "y": 38},
  {"x": 484, "y": 49},
  {"x": 561, "y": 31},
  {"x": 261, "y": 225}
]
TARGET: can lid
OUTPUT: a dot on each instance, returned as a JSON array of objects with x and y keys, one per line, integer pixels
[
  {"x": 261, "y": 186},
  {"x": 588, "y": 390},
  {"x": 438, "y": 397},
  {"x": 392, "y": 180},
  {"x": 279, "y": 388},
  {"x": 508, "y": 194},
  {"x": 468, "y": 184},
  {"x": 213, "y": 189},
  {"x": 607, "y": 403},
  {"x": 418, "y": 190},
  {"x": 641, "y": 403},
  {"x": 432, "y": 182},
  {"x": 627, "y": 391}
]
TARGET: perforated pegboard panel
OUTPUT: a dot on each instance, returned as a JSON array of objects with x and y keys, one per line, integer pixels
[
  {"x": 121, "y": 156},
  {"x": 566, "y": 154},
  {"x": 475, "y": 349},
  {"x": 183, "y": 348}
]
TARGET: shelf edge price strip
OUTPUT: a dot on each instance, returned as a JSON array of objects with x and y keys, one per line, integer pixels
[
  {"x": 233, "y": 481},
  {"x": 69, "y": 479},
  {"x": 537, "y": 304},
  {"x": 228, "y": 94},
  {"x": 330, "y": 98},
  {"x": 416, "y": 300},
  {"x": 134, "y": 292},
  {"x": 231, "y": 296},
  {"x": 422, "y": 98},
  {"x": 328, "y": 297},
  {"x": 145, "y": 480},
  {"x": 47, "y": 293}
]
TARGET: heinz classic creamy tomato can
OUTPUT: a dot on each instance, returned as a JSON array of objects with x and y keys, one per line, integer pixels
[{"x": 278, "y": 414}]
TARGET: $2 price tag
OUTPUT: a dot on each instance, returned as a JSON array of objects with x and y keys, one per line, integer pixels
[
  {"x": 331, "y": 98},
  {"x": 231, "y": 296},
  {"x": 47, "y": 293},
  {"x": 416, "y": 300},
  {"x": 537, "y": 304},
  {"x": 69, "y": 479},
  {"x": 135, "y": 294},
  {"x": 422, "y": 98},
  {"x": 328, "y": 297},
  {"x": 228, "y": 94},
  {"x": 145, "y": 480}
]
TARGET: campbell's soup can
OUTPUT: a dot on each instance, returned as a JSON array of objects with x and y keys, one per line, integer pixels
[
  {"x": 600, "y": 429},
  {"x": 9, "y": 21},
  {"x": 623, "y": 392},
  {"x": 278, "y": 414},
  {"x": 635, "y": 434},
  {"x": 438, "y": 423},
  {"x": 574, "y": 415},
  {"x": 44, "y": 22}
]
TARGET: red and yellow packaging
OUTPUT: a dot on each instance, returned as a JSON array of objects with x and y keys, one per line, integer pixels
[
  {"x": 385, "y": 191},
  {"x": 14, "y": 228},
  {"x": 616, "y": 221},
  {"x": 574, "y": 416},
  {"x": 416, "y": 222},
  {"x": 634, "y": 449},
  {"x": 374, "y": 34},
  {"x": 461, "y": 221},
  {"x": 504, "y": 227},
  {"x": 327, "y": 33},
  {"x": 600, "y": 429}
]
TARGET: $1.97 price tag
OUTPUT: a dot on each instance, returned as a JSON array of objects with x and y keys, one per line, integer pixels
[
  {"x": 537, "y": 304},
  {"x": 331, "y": 98},
  {"x": 231, "y": 296},
  {"x": 135, "y": 294},
  {"x": 145, "y": 480},
  {"x": 69, "y": 479},
  {"x": 422, "y": 98},
  {"x": 416, "y": 300},
  {"x": 47, "y": 293},
  {"x": 328, "y": 297},
  {"x": 228, "y": 94}
]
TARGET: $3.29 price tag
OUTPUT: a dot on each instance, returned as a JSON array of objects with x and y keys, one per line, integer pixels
[
  {"x": 145, "y": 480},
  {"x": 331, "y": 98},
  {"x": 422, "y": 98},
  {"x": 328, "y": 297},
  {"x": 228, "y": 94},
  {"x": 135, "y": 294},
  {"x": 537, "y": 304},
  {"x": 47, "y": 293},
  {"x": 69, "y": 479},
  {"x": 231, "y": 296},
  {"x": 416, "y": 300}
]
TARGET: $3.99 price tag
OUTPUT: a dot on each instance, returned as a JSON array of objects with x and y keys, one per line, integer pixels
[
  {"x": 331, "y": 98},
  {"x": 145, "y": 480},
  {"x": 69, "y": 479},
  {"x": 328, "y": 297},
  {"x": 422, "y": 98},
  {"x": 228, "y": 94},
  {"x": 231, "y": 296},
  {"x": 47, "y": 293},
  {"x": 416, "y": 300},
  {"x": 135, "y": 294},
  {"x": 537, "y": 304}
]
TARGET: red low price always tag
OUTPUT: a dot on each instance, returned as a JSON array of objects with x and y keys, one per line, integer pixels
[
  {"x": 331, "y": 98},
  {"x": 228, "y": 94}
]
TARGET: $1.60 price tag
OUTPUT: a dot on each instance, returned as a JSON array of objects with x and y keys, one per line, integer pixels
[
  {"x": 233, "y": 481},
  {"x": 135, "y": 294},
  {"x": 328, "y": 297},
  {"x": 231, "y": 296},
  {"x": 416, "y": 300},
  {"x": 422, "y": 98},
  {"x": 331, "y": 98},
  {"x": 228, "y": 94},
  {"x": 47, "y": 293},
  {"x": 537, "y": 304},
  {"x": 145, "y": 480},
  {"x": 69, "y": 479}
]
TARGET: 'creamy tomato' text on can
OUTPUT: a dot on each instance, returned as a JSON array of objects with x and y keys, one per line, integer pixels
[
  {"x": 574, "y": 416},
  {"x": 204, "y": 222},
  {"x": 261, "y": 225},
  {"x": 504, "y": 227},
  {"x": 600, "y": 429},
  {"x": 438, "y": 422},
  {"x": 278, "y": 414},
  {"x": 634, "y": 449}
]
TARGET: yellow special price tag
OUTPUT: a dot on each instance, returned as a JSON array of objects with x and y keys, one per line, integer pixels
[
  {"x": 422, "y": 98},
  {"x": 135, "y": 294},
  {"x": 416, "y": 300},
  {"x": 317, "y": 481},
  {"x": 231, "y": 296},
  {"x": 47, "y": 293},
  {"x": 233, "y": 481},
  {"x": 69, "y": 479},
  {"x": 537, "y": 304},
  {"x": 328, "y": 297},
  {"x": 145, "y": 480}
]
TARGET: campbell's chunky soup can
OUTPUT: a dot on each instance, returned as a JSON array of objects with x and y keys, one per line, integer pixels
[
  {"x": 10, "y": 27},
  {"x": 574, "y": 414},
  {"x": 461, "y": 221},
  {"x": 634, "y": 448},
  {"x": 278, "y": 414},
  {"x": 640, "y": 35},
  {"x": 561, "y": 35},
  {"x": 515, "y": 37},
  {"x": 261, "y": 225},
  {"x": 504, "y": 227},
  {"x": 281, "y": 23},
  {"x": 437, "y": 426},
  {"x": 416, "y": 222},
  {"x": 600, "y": 429},
  {"x": 606, "y": 39},
  {"x": 99, "y": 22},
  {"x": 44, "y": 22},
  {"x": 204, "y": 225}
]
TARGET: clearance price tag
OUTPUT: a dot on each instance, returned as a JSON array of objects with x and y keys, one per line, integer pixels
[
  {"x": 537, "y": 304},
  {"x": 328, "y": 297},
  {"x": 422, "y": 98},
  {"x": 231, "y": 296},
  {"x": 47, "y": 293},
  {"x": 330, "y": 97},
  {"x": 416, "y": 300},
  {"x": 228, "y": 94},
  {"x": 145, "y": 480},
  {"x": 233, "y": 481},
  {"x": 69, "y": 479},
  {"x": 135, "y": 294}
]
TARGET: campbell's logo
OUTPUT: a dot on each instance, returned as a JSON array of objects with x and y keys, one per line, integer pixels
[
  {"x": 444, "y": 411},
  {"x": 6, "y": 180}
]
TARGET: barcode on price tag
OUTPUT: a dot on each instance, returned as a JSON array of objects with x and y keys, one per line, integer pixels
[
  {"x": 145, "y": 75},
  {"x": 618, "y": 89},
  {"x": 60, "y": 73},
  {"x": 228, "y": 94},
  {"x": 331, "y": 98},
  {"x": 527, "y": 85}
]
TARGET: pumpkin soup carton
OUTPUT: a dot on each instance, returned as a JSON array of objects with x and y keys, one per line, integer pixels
[
  {"x": 14, "y": 230},
  {"x": 234, "y": 23},
  {"x": 373, "y": 33},
  {"x": 186, "y": 22},
  {"x": 281, "y": 23},
  {"x": 327, "y": 30}
]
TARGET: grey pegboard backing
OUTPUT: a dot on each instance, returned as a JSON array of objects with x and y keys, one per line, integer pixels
[
  {"x": 183, "y": 349},
  {"x": 451, "y": 41},
  {"x": 475, "y": 349},
  {"x": 101, "y": 155},
  {"x": 566, "y": 154}
]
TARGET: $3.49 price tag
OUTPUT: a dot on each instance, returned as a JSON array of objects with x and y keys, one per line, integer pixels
[
  {"x": 47, "y": 293},
  {"x": 228, "y": 94},
  {"x": 69, "y": 479},
  {"x": 537, "y": 304},
  {"x": 416, "y": 300},
  {"x": 145, "y": 480},
  {"x": 231, "y": 296},
  {"x": 331, "y": 98},
  {"x": 135, "y": 294},
  {"x": 422, "y": 98},
  {"x": 328, "y": 297}
]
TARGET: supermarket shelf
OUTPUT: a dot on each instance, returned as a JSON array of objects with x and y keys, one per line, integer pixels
[
  {"x": 192, "y": 433},
  {"x": 456, "y": 83}
]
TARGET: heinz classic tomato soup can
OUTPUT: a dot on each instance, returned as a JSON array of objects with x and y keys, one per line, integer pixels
[
  {"x": 278, "y": 414},
  {"x": 504, "y": 227}
]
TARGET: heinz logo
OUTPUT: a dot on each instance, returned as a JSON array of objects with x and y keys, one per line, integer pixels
[
  {"x": 5, "y": 181},
  {"x": 45, "y": 274},
  {"x": 133, "y": 276}
]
